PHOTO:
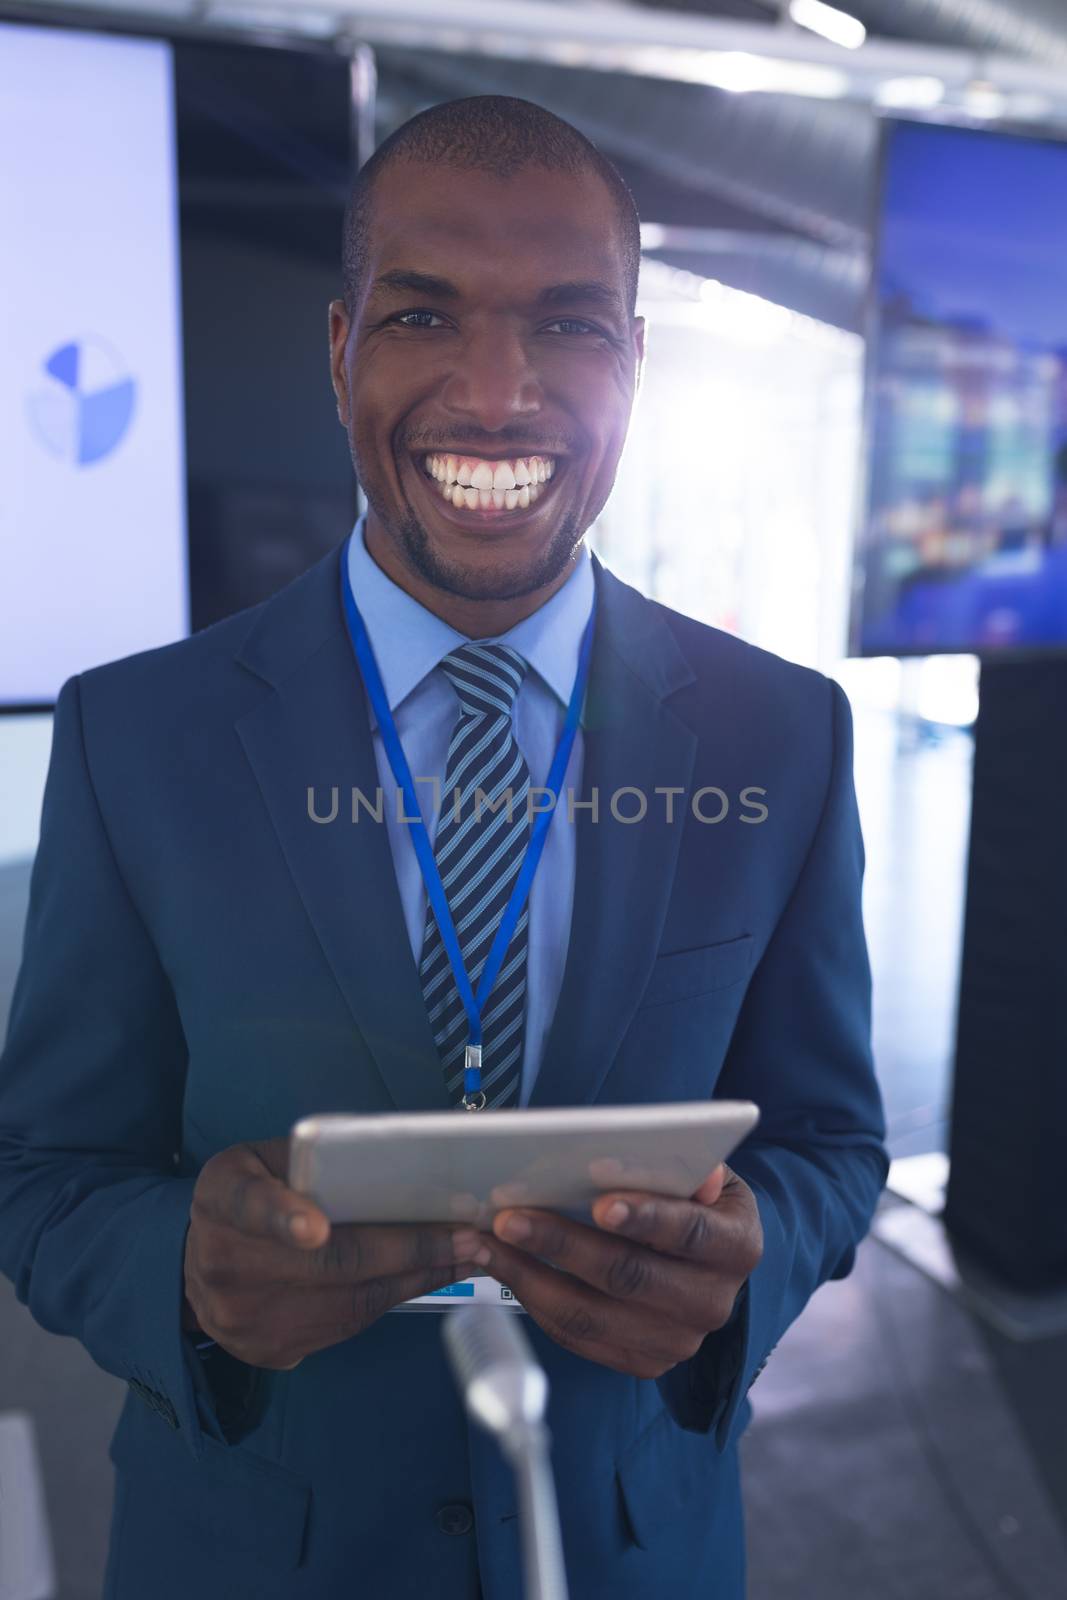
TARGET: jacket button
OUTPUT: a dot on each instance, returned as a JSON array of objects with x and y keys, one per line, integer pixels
[{"x": 455, "y": 1519}]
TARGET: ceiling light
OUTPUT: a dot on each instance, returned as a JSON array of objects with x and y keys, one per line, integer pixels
[
  {"x": 909, "y": 94},
  {"x": 734, "y": 70},
  {"x": 740, "y": 72},
  {"x": 982, "y": 99},
  {"x": 837, "y": 26}
]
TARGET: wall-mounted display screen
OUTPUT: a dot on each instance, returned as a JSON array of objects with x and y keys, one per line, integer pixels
[
  {"x": 92, "y": 480},
  {"x": 963, "y": 545},
  {"x": 170, "y": 241}
]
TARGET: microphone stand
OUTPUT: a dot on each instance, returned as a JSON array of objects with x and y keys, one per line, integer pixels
[
  {"x": 527, "y": 1449},
  {"x": 505, "y": 1390}
]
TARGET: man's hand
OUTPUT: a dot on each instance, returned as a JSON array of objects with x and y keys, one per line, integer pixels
[
  {"x": 640, "y": 1291},
  {"x": 269, "y": 1278}
]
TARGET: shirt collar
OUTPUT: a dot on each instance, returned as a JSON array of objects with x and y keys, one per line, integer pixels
[{"x": 408, "y": 641}]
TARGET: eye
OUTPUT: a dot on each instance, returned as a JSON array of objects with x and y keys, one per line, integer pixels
[
  {"x": 570, "y": 324},
  {"x": 401, "y": 318}
]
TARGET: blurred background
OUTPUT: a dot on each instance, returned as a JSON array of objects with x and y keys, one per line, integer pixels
[{"x": 850, "y": 448}]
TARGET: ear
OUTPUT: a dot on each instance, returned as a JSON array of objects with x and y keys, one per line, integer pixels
[
  {"x": 339, "y": 330},
  {"x": 639, "y": 351}
]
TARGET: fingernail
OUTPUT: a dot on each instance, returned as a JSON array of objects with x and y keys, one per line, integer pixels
[
  {"x": 464, "y": 1244},
  {"x": 616, "y": 1213},
  {"x": 300, "y": 1225},
  {"x": 515, "y": 1228}
]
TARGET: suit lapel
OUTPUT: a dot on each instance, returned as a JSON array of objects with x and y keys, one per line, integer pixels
[
  {"x": 313, "y": 731},
  {"x": 624, "y": 870}
]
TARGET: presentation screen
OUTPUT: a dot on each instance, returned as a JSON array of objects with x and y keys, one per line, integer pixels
[
  {"x": 92, "y": 489},
  {"x": 963, "y": 546}
]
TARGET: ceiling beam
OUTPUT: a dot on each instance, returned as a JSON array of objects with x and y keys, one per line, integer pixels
[{"x": 676, "y": 46}]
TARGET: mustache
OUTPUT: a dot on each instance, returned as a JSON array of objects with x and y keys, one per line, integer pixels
[{"x": 492, "y": 444}]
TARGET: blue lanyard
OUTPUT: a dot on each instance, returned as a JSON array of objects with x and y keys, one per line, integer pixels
[{"x": 473, "y": 1004}]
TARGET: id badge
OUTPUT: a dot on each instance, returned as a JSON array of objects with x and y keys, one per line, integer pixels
[{"x": 479, "y": 1291}]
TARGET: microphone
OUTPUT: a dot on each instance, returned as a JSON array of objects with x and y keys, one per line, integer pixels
[{"x": 505, "y": 1391}]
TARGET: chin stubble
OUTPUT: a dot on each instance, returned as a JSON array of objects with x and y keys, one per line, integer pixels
[{"x": 503, "y": 583}]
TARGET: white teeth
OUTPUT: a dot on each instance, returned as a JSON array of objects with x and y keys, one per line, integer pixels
[{"x": 472, "y": 484}]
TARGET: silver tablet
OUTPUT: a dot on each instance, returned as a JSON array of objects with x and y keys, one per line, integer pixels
[{"x": 460, "y": 1166}]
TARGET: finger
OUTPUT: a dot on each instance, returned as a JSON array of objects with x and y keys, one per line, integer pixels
[
  {"x": 345, "y": 1310},
  {"x": 357, "y": 1252},
  {"x": 711, "y": 1188},
  {"x": 678, "y": 1291},
  {"x": 710, "y": 1235},
  {"x": 280, "y": 1333},
  {"x": 466, "y": 1207},
  {"x": 274, "y": 1154},
  {"x": 508, "y": 1194},
  {"x": 607, "y": 1172},
  {"x": 243, "y": 1193},
  {"x": 580, "y": 1317}
]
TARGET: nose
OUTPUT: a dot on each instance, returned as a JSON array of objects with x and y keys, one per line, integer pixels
[{"x": 493, "y": 382}]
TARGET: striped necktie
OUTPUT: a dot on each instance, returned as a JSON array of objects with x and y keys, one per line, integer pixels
[{"x": 479, "y": 849}]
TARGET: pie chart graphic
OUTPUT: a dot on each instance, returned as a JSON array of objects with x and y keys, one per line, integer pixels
[{"x": 83, "y": 403}]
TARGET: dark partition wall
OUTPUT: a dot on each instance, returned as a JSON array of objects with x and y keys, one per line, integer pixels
[
  {"x": 1006, "y": 1198},
  {"x": 265, "y": 159}
]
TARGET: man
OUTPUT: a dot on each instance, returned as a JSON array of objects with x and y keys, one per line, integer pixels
[{"x": 214, "y": 950}]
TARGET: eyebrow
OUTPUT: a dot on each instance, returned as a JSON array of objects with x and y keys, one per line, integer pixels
[
  {"x": 590, "y": 290},
  {"x": 403, "y": 281},
  {"x": 586, "y": 290}
]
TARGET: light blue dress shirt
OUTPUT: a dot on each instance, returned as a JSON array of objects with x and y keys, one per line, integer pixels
[{"x": 408, "y": 643}]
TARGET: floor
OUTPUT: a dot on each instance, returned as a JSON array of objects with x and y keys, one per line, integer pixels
[
  {"x": 890, "y": 1459},
  {"x": 900, "y": 1449}
]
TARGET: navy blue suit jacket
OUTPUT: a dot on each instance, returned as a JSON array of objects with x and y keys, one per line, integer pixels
[{"x": 204, "y": 965}]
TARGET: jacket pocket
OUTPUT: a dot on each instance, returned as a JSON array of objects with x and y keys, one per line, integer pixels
[
  {"x": 230, "y": 1499},
  {"x": 664, "y": 1473},
  {"x": 691, "y": 972}
]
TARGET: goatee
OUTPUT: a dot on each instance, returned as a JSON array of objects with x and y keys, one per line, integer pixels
[{"x": 504, "y": 582}]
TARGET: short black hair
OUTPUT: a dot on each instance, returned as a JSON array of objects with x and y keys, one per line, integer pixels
[{"x": 498, "y": 134}]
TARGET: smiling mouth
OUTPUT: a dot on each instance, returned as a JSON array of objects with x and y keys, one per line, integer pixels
[{"x": 497, "y": 489}]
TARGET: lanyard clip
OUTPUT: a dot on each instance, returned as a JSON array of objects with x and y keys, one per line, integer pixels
[{"x": 473, "y": 1093}]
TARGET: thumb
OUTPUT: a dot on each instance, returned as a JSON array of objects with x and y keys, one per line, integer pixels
[
  {"x": 273, "y": 1154},
  {"x": 296, "y": 1219},
  {"x": 712, "y": 1187}
]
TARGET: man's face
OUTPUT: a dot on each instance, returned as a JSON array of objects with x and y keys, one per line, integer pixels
[{"x": 492, "y": 342}]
